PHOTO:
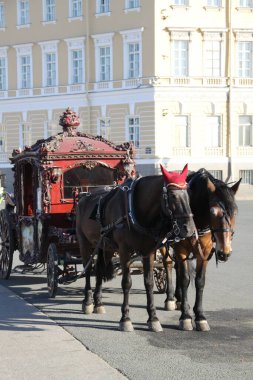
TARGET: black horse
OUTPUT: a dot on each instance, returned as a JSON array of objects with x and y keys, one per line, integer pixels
[
  {"x": 213, "y": 205},
  {"x": 136, "y": 217}
]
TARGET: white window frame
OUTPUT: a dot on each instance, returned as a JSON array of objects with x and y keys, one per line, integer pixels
[
  {"x": 25, "y": 135},
  {"x": 181, "y": 2},
  {"x": 52, "y": 13},
  {"x": 103, "y": 41},
  {"x": 244, "y": 129},
  {"x": 182, "y": 131},
  {"x": 102, "y": 6},
  {"x": 213, "y": 137},
  {"x": 247, "y": 176},
  {"x": 3, "y": 55},
  {"x": 104, "y": 128},
  {"x": 133, "y": 136},
  {"x": 3, "y": 139},
  {"x": 21, "y": 51},
  {"x": 245, "y": 3},
  {"x": 180, "y": 68},
  {"x": 2, "y": 16},
  {"x": 214, "y": 3},
  {"x": 79, "y": 6},
  {"x": 49, "y": 47},
  {"x": 132, "y": 4},
  {"x": 131, "y": 37},
  {"x": 242, "y": 69},
  {"x": 23, "y": 14},
  {"x": 75, "y": 44}
]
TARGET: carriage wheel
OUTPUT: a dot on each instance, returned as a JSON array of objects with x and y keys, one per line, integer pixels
[
  {"x": 6, "y": 245},
  {"x": 160, "y": 279},
  {"x": 52, "y": 270}
]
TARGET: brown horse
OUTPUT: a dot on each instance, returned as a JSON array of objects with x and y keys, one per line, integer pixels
[
  {"x": 214, "y": 208},
  {"x": 136, "y": 217}
]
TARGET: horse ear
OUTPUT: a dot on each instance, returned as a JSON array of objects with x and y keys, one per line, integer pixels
[
  {"x": 235, "y": 187},
  {"x": 184, "y": 173},
  {"x": 211, "y": 186}
]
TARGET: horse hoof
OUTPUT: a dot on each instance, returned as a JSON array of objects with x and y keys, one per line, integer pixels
[
  {"x": 202, "y": 325},
  {"x": 178, "y": 305},
  {"x": 185, "y": 325},
  {"x": 99, "y": 309},
  {"x": 88, "y": 309},
  {"x": 155, "y": 326},
  {"x": 126, "y": 326},
  {"x": 169, "y": 305}
]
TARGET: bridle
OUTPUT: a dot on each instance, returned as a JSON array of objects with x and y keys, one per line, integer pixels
[
  {"x": 173, "y": 235},
  {"x": 225, "y": 217}
]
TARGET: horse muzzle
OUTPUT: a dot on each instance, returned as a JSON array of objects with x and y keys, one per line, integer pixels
[{"x": 222, "y": 256}]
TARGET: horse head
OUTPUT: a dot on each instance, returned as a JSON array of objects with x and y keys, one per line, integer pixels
[
  {"x": 223, "y": 212},
  {"x": 176, "y": 203}
]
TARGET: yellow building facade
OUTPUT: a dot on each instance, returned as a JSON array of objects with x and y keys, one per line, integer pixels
[{"x": 173, "y": 76}]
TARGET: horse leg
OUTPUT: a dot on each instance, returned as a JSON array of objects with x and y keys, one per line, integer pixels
[
  {"x": 98, "y": 304},
  {"x": 169, "y": 303},
  {"x": 178, "y": 291},
  {"x": 200, "y": 320},
  {"x": 185, "y": 321},
  {"x": 87, "y": 305},
  {"x": 148, "y": 270},
  {"x": 126, "y": 284}
]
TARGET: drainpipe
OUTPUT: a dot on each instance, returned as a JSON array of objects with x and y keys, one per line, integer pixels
[
  {"x": 230, "y": 98},
  {"x": 87, "y": 59}
]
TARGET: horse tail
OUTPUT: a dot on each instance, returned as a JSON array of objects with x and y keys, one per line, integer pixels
[{"x": 104, "y": 266}]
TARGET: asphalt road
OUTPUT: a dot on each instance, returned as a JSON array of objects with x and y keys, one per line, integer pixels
[{"x": 225, "y": 352}]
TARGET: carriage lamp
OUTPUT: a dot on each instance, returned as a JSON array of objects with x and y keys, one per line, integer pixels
[{"x": 56, "y": 174}]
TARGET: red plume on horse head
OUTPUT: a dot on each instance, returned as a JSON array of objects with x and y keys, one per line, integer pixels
[{"x": 174, "y": 178}]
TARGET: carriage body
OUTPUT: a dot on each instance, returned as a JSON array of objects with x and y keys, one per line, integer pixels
[{"x": 48, "y": 176}]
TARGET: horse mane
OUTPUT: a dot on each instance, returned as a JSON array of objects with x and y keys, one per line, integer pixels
[{"x": 197, "y": 182}]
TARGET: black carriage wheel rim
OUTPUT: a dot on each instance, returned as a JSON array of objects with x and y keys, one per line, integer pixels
[{"x": 6, "y": 249}]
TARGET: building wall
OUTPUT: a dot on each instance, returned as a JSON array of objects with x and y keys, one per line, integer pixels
[{"x": 157, "y": 97}]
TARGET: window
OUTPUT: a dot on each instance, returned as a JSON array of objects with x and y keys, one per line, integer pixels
[
  {"x": 180, "y": 2},
  {"x": 76, "y": 60},
  {"x": 132, "y": 4},
  {"x": 49, "y": 63},
  {"x": 3, "y": 73},
  {"x": 216, "y": 174},
  {"x": 214, "y": 3},
  {"x": 105, "y": 59},
  {"x": 25, "y": 69},
  {"x": 133, "y": 60},
  {"x": 245, "y": 130},
  {"x": 104, "y": 128},
  {"x": 244, "y": 59},
  {"x": 246, "y": 3},
  {"x": 24, "y": 66},
  {"x": 77, "y": 67},
  {"x": 2, "y": 16},
  {"x": 3, "y": 138},
  {"x": 75, "y": 8},
  {"x": 49, "y": 10},
  {"x": 181, "y": 132},
  {"x": 23, "y": 12},
  {"x": 50, "y": 69},
  {"x": 132, "y": 48},
  {"x": 213, "y": 58},
  {"x": 25, "y": 135},
  {"x": 213, "y": 131},
  {"x": 180, "y": 57},
  {"x": 134, "y": 131},
  {"x": 103, "y": 6},
  {"x": 247, "y": 176}
]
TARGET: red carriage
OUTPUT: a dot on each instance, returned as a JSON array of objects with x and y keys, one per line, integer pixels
[{"x": 38, "y": 220}]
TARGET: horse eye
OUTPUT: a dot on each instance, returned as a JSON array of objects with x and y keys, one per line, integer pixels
[{"x": 214, "y": 211}]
